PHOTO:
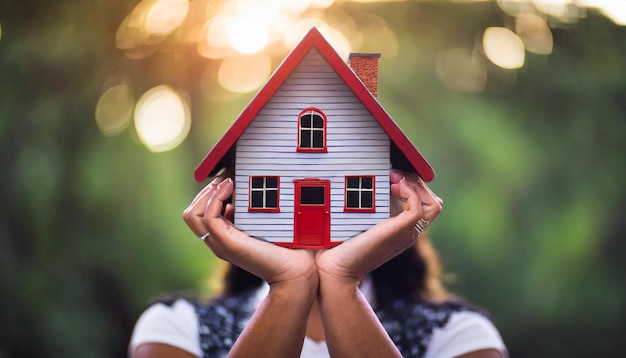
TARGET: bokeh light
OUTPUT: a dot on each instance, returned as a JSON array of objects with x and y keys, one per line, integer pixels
[
  {"x": 564, "y": 10},
  {"x": 262, "y": 10},
  {"x": 535, "y": 33},
  {"x": 460, "y": 70},
  {"x": 339, "y": 41},
  {"x": 243, "y": 36},
  {"x": 516, "y": 7},
  {"x": 375, "y": 35},
  {"x": 114, "y": 110},
  {"x": 613, "y": 9},
  {"x": 148, "y": 24},
  {"x": 321, "y": 4},
  {"x": 503, "y": 48},
  {"x": 213, "y": 39},
  {"x": 165, "y": 16},
  {"x": 162, "y": 119},
  {"x": 247, "y": 35},
  {"x": 241, "y": 74},
  {"x": 295, "y": 7}
]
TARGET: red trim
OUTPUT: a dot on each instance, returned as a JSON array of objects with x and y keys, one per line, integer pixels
[
  {"x": 345, "y": 195},
  {"x": 310, "y": 247},
  {"x": 312, "y": 150},
  {"x": 263, "y": 210},
  {"x": 313, "y": 38}
]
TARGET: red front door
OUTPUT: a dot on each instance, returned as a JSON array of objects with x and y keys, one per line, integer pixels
[{"x": 311, "y": 213}]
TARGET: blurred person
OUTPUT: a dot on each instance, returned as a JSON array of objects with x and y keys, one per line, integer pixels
[{"x": 378, "y": 294}]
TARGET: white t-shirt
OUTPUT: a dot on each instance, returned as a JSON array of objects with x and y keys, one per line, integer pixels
[{"x": 177, "y": 325}]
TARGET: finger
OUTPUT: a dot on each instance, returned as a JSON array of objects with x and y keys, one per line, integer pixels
[
  {"x": 412, "y": 199},
  {"x": 193, "y": 215},
  {"x": 431, "y": 204},
  {"x": 206, "y": 189},
  {"x": 229, "y": 212},
  {"x": 396, "y": 175},
  {"x": 216, "y": 201},
  {"x": 422, "y": 183}
]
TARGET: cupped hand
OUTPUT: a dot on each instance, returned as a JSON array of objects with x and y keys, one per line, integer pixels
[
  {"x": 270, "y": 262},
  {"x": 412, "y": 200}
]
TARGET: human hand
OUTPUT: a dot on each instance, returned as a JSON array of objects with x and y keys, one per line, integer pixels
[
  {"x": 412, "y": 201},
  {"x": 270, "y": 262}
]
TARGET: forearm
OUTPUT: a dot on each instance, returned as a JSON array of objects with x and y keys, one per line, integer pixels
[
  {"x": 278, "y": 326},
  {"x": 351, "y": 328}
]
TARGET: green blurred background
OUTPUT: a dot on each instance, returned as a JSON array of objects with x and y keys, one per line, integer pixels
[{"x": 529, "y": 157}]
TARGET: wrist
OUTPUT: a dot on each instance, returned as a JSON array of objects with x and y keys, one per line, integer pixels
[
  {"x": 338, "y": 282},
  {"x": 304, "y": 286}
]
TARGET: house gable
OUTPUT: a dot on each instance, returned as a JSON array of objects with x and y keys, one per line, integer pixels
[
  {"x": 267, "y": 147},
  {"x": 402, "y": 150}
]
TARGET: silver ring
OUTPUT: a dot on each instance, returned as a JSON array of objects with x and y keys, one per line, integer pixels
[
  {"x": 421, "y": 225},
  {"x": 204, "y": 237}
]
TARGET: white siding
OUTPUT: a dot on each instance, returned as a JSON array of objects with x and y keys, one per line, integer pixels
[{"x": 356, "y": 143}]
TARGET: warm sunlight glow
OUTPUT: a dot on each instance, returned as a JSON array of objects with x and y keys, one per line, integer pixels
[
  {"x": 295, "y": 7},
  {"x": 241, "y": 74},
  {"x": 375, "y": 36},
  {"x": 297, "y": 29},
  {"x": 247, "y": 35},
  {"x": 461, "y": 71},
  {"x": 321, "y": 4},
  {"x": 556, "y": 8},
  {"x": 114, "y": 110},
  {"x": 614, "y": 10},
  {"x": 162, "y": 119},
  {"x": 251, "y": 26},
  {"x": 339, "y": 42},
  {"x": 503, "y": 48},
  {"x": 264, "y": 10},
  {"x": 165, "y": 16},
  {"x": 535, "y": 33},
  {"x": 217, "y": 31},
  {"x": 516, "y": 7}
]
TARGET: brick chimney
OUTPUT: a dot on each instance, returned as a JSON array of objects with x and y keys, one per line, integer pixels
[{"x": 365, "y": 65}]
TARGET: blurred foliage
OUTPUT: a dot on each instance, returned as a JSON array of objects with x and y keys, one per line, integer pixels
[{"x": 531, "y": 171}]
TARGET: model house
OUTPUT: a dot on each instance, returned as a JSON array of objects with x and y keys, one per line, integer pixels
[{"x": 313, "y": 149}]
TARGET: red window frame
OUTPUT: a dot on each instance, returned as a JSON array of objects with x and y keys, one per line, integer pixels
[
  {"x": 324, "y": 149},
  {"x": 345, "y": 200},
  {"x": 250, "y": 189}
]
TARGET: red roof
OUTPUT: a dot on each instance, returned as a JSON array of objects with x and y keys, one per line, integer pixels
[{"x": 209, "y": 164}]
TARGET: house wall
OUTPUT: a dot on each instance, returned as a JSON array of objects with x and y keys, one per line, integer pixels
[{"x": 356, "y": 143}]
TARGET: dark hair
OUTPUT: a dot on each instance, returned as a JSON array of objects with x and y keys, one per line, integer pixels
[
  {"x": 238, "y": 280},
  {"x": 413, "y": 275}
]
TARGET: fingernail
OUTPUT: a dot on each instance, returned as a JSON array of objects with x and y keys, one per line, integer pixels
[{"x": 227, "y": 180}]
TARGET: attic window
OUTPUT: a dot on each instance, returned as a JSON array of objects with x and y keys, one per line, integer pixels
[
  {"x": 264, "y": 194},
  {"x": 311, "y": 131},
  {"x": 360, "y": 193}
]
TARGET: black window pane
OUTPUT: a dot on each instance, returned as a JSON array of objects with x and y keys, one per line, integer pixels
[
  {"x": 311, "y": 195},
  {"x": 366, "y": 183},
  {"x": 366, "y": 199},
  {"x": 271, "y": 199},
  {"x": 271, "y": 182},
  {"x": 257, "y": 199},
  {"x": 318, "y": 139},
  {"x": 352, "y": 183},
  {"x": 257, "y": 182},
  {"x": 305, "y": 121},
  {"x": 318, "y": 121},
  {"x": 305, "y": 138},
  {"x": 352, "y": 199}
]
